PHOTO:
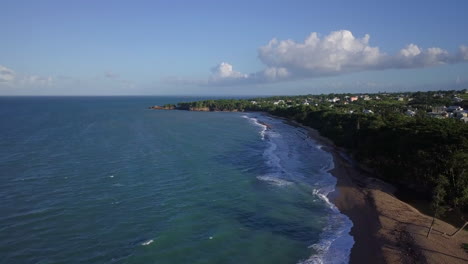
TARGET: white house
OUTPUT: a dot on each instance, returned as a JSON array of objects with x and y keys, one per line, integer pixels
[
  {"x": 410, "y": 112},
  {"x": 278, "y": 102}
]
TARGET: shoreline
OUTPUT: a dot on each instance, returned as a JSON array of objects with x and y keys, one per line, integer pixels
[{"x": 385, "y": 229}]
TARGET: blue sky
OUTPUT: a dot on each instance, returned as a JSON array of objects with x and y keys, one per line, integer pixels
[{"x": 226, "y": 48}]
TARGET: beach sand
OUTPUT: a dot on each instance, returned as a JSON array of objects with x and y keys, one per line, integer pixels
[{"x": 387, "y": 230}]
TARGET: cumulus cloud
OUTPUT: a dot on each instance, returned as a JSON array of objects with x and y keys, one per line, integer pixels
[
  {"x": 414, "y": 57},
  {"x": 225, "y": 71},
  {"x": 6, "y": 75},
  {"x": 339, "y": 52}
]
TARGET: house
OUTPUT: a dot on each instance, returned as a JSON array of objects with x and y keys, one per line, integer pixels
[
  {"x": 353, "y": 98},
  {"x": 334, "y": 100},
  {"x": 253, "y": 102},
  {"x": 278, "y": 102},
  {"x": 366, "y": 98},
  {"x": 439, "y": 109},
  {"x": 410, "y": 112},
  {"x": 457, "y": 99},
  {"x": 454, "y": 108},
  {"x": 366, "y": 111},
  {"x": 464, "y": 119},
  {"x": 460, "y": 113}
]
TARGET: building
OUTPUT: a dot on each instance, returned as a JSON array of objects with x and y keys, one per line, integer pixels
[
  {"x": 410, "y": 112},
  {"x": 278, "y": 102},
  {"x": 453, "y": 108}
]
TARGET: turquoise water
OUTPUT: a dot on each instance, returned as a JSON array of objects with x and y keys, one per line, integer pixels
[{"x": 105, "y": 180}]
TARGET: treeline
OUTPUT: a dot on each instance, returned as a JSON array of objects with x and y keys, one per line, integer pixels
[
  {"x": 220, "y": 105},
  {"x": 425, "y": 154}
]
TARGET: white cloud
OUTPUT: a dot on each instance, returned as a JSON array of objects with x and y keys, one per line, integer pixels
[
  {"x": 337, "y": 53},
  {"x": 410, "y": 51},
  {"x": 225, "y": 71},
  {"x": 10, "y": 79},
  {"x": 6, "y": 75},
  {"x": 463, "y": 52},
  {"x": 414, "y": 57},
  {"x": 274, "y": 73}
]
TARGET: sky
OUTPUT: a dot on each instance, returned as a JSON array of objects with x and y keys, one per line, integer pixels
[{"x": 231, "y": 47}]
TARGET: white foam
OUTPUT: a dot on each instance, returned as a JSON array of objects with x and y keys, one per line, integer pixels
[
  {"x": 254, "y": 121},
  {"x": 335, "y": 243},
  {"x": 274, "y": 180},
  {"x": 284, "y": 156},
  {"x": 146, "y": 243}
]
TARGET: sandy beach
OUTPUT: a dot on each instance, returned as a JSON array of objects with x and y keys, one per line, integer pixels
[{"x": 387, "y": 230}]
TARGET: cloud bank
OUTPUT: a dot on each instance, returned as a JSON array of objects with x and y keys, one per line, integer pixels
[
  {"x": 9, "y": 78},
  {"x": 337, "y": 53},
  {"x": 6, "y": 75}
]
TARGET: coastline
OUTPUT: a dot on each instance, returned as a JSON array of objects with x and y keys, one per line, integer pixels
[{"x": 385, "y": 229}]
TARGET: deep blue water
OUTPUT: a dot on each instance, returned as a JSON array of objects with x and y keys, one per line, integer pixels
[{"x": 106, "y": 180}]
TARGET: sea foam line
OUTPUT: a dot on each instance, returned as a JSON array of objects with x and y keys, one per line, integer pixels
[
  {"x": 335, "y": 242},
  {"x": 254, "y": 121}
]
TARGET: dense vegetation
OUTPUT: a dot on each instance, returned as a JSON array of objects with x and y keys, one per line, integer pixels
[{"x": 426, "y": 154}]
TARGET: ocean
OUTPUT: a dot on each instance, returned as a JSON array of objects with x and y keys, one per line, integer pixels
[{"x": 106, "y": 180}]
